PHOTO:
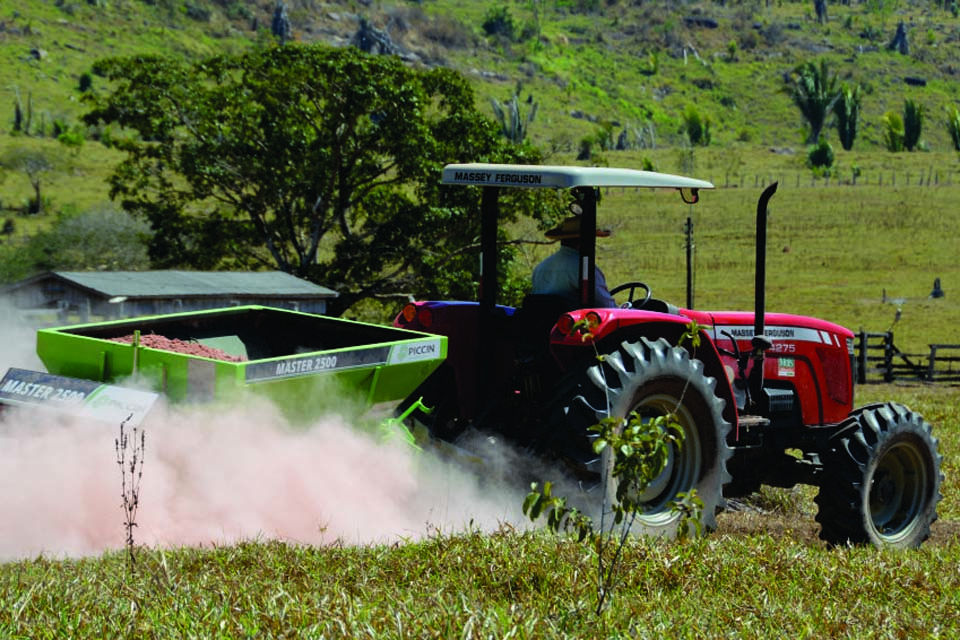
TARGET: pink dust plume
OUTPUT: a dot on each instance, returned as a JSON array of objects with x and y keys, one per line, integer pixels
[{"x": 216, "y": 475}]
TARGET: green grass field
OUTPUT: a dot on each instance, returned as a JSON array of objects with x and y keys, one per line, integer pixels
[{"x": 762, "y": 574}]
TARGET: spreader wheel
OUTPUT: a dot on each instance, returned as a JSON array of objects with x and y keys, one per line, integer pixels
[{"x": 883, "y": 480}]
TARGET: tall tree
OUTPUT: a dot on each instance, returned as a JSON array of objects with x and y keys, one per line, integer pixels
[
  {"x": 322, "y": 162},
  {"x": 814, "y": 91},
  {"x": 92, "y": 240},
  {"x": 35, "y": 162}
]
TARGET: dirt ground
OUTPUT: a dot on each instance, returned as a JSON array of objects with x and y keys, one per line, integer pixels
[{"x": 804, "y": 528}]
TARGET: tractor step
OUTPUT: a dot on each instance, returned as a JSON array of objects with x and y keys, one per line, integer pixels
[{"x": 751, "y": 422}]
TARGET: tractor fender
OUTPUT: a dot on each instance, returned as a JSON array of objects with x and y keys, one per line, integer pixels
[{"x": 654, "y": 326}]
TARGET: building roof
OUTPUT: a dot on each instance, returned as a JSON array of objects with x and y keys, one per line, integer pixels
[{"x": 180, "y": 284}]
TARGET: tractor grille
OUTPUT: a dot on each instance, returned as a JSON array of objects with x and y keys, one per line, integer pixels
[
  {"x": 779, "y": 401},
  {"x": 836, "y": 371}
]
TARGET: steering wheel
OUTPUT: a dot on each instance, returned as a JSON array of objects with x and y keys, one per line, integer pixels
[{"x": 633, "y": 286}]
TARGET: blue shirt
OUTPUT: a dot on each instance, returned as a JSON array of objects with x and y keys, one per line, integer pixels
[{"x": 559, "y": 274}]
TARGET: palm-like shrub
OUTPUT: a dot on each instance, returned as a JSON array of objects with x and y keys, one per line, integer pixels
[
  {"x": 514, "y": 126},
  {"x": 814, "y": 91},
  {"x": 893, "y": 131},
  {"x": 912, "y": 124},
  {"x": 847, "y": 111},
  {"x": 953, "y": 126}
]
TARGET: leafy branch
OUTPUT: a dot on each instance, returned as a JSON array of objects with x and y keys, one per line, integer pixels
[{"x": 640, "y": 447}]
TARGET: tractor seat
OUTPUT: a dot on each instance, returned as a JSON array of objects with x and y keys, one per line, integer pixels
[
  {"x": 537, "y": 315},
  {"x": 661, "y": 306}
]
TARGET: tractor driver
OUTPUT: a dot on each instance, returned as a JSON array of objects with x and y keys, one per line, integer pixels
[{"x": 559, "y": 273}]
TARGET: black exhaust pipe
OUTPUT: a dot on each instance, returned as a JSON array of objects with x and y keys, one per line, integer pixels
[
  {"x": 761, "y": 274},
  {"x": 760, "y": 343}
]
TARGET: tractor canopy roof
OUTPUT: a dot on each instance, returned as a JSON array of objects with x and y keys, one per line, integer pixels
[
  {"x": 584, "y": 183},
  {"x": 539, "y": 176}
]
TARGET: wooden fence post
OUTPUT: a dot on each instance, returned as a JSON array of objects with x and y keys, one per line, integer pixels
[
  {"x": 862, "y": 358},
  {"x": 888, "y": 357}
]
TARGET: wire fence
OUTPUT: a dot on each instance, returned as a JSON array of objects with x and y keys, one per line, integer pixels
[{"x": 932, "y": 177}]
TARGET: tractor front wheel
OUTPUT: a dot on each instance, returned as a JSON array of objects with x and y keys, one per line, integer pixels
[{"x": 882, "y": 482}]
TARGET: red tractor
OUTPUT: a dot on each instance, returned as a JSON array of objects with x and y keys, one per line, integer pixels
[{"x": 765, "y": 399}]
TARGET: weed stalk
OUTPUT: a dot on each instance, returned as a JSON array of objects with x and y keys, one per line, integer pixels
[{"x": 130, "y": 447}]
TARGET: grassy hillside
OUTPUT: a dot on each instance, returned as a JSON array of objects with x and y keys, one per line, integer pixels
[
  {"x": 641, "y": 65},
  {"x": 624, "y": 69},
  {"x": 633, "y": 66}
]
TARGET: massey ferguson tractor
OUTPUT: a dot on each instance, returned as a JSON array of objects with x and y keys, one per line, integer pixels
[{"x": 765, "y": 399}]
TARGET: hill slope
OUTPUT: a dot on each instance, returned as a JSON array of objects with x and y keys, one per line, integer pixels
[
  {"x": 837, "y": 249},
  {"x": 633, "y": 68}
]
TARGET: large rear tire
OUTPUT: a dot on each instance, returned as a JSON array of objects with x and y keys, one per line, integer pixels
[
  {"x": 654, "y": 378},
  {"x": 883, "y": 479}
]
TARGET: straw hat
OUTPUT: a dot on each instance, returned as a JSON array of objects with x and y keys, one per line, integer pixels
[{"x": 570, "y": 228}]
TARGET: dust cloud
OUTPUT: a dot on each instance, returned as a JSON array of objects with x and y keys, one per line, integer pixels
[{"x": 214, "y": 475}]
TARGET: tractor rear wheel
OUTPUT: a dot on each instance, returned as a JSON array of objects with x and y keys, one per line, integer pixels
[
  {"x": 882, "y": 481},
  {"x": 654, "y": 378}
]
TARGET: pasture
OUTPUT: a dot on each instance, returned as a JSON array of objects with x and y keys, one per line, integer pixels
[
  {"x": 834, "y": 247},
  {"x": 762, "y": 574}
]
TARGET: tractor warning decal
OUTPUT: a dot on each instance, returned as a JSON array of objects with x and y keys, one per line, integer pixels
[{"x": 786, "y": 368}]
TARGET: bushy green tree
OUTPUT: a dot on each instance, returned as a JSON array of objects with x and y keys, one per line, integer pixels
[
  {"x": 847, "y": 111},
  {"x": 821, "y": 155},
  {"x": 99, "y": 239},
  {"x": 696, "y": 126},
  {"x": 35, "y": 162},
  {"x": 103, "y": 238},
  {"x": 499, "y": 22},
  {"x": 321, "y": 162},
  {"x": 814, "y": 91}
]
